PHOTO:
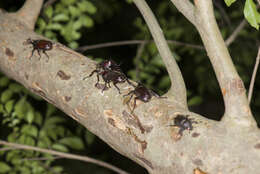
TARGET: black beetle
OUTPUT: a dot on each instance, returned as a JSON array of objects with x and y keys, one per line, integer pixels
[
  {"x": 141, "y": 93},
  {"x": 110, "y": 72},
  {"x": 40, "y": 45},
  {"x": 183, "y": 122}
]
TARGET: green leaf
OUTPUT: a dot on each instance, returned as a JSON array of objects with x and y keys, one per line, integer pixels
[
  {"x": 44, "y": 142},
  {"x": 4, "y": 168},
  {"x": 57, "y": 169},
  {"x": 15, "y": 87},
  {"x": 251, "y": 14},
  {"x": 72, "y": 142},
  {"x": 60, "y": 18},
  {"x": 49, "y": 12},
  {"x": 12, "y": 137},
  {"x": 50, "y": 110},
  {"x": 41, "y": 24},
  {"x": 54, "y": 26},
  {"x": 195, "y": 101},
  {"x": 4, "y": 81},
  {"x": 73, "y": 45},
  {"x": 29, "y": 129},
  {"x": 9, "y": 106},
  {"x": 74, "y": 11},
  {"x": 6, "y": 95},
  {"x": 77, "y": 24},
  {"x": 53, "y": 121},
  {"x": 89, "y": 137},
  {"x": 29, "y": 116},
  {"x": 229, "y": 2},
  {"x": 60, "y": 147},
  {"x": 21, "y": 107},
  {"x": 25, "y": 139},
  {"x": 68, "y": 2},
  {"x": 87, "y": 6},
  {"x": 1, "y": 108},
  {"x": 86, "y": 21},
  {"x": 38, "y": 118}
]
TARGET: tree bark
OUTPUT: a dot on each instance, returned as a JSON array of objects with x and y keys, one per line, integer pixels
[{"x": 145, "y": 136}]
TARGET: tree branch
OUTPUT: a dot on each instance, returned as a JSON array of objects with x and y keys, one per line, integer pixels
[
  {"x": 64, "y": 155},
  {"x": 134, "y": 42},
  {"x": 252, "y": 82},
  {"x": 29, "y": 12},
  {"x": 178, "y": 89},
  {"x": 143, "y": 136},
  {"x": 235, "y": 33},
  {"x": 236, "y": 104},
  {"x": 186, "y": 8}
]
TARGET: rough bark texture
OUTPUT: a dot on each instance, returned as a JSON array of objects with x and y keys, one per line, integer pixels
[{"x": 144, "y": 136}]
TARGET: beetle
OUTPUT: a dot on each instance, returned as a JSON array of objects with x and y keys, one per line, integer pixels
[
  {"x": 142, "y": 93},
  {"x": 114, "y": 77},
  {"x": 110, "y": 71},
  {"x": 109, "y": 65},
  {"x": 40, "y": 45},
  {"x": 183, "y": 122},
  {"x": 105, "y": 65}
]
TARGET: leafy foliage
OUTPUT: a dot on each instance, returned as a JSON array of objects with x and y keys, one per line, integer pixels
[
  {"x": 250, "y": 12},
  {"x": 30, "y": 126},
  {"x": 67, "y": 18}
]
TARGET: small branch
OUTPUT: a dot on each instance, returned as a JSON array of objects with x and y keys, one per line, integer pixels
[
  {"x": 222, "y": 12},
  {"x": 235, "y": 33},
  {"x": 252, "y": 82},
  {"x": 64, "y": 155},
  {"x": 48, "y": 3},
  {"x": 134, "y": 42},
  {"x": 7, "y": 148},
  {"x": 237, "y": 110},
  {"x": 178, "y": 89},
  {"x": 138, "y": 56},
  {"x": 186, "y": 8},
  {"x": 29, "y": 13},
  {"x": 41, "y": 158}
]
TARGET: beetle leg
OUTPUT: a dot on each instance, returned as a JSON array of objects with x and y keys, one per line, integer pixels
[
  {"x": 39, "y": 53},
  {"x": 46, "y": 55},
  {"x": 95, "y": 71},
  {"x": 130, "y": 83},
  {"x": 129, "y": 99},
  {"x": 117, "y": 87},
  {"x": 134, "y": 104},
  {"x": 131, "y": 92},
  {"x": 155, "y": 94},
  {"x": 32, "y": 53}
]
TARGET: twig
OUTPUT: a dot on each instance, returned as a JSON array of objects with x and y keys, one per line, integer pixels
[
  {"x": 235, "y": 33},
  {"x": 187, "y": 9},
  {"x": 178, "y": 89},
  {"x": 138, "y": 56},
  {"x": 230, "y": 83},
  {"x": 134, "y": 42},
  {"x": 223, "y": 12},
  {"x": 41, "y": 158},
  {"x": 7, "y": 148},
  {"x": 64, "y": 155},
  {"x": 48, "y": 3},
  {"x": 252, "y": 82},
  {"x": 29, "y": 12}
]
